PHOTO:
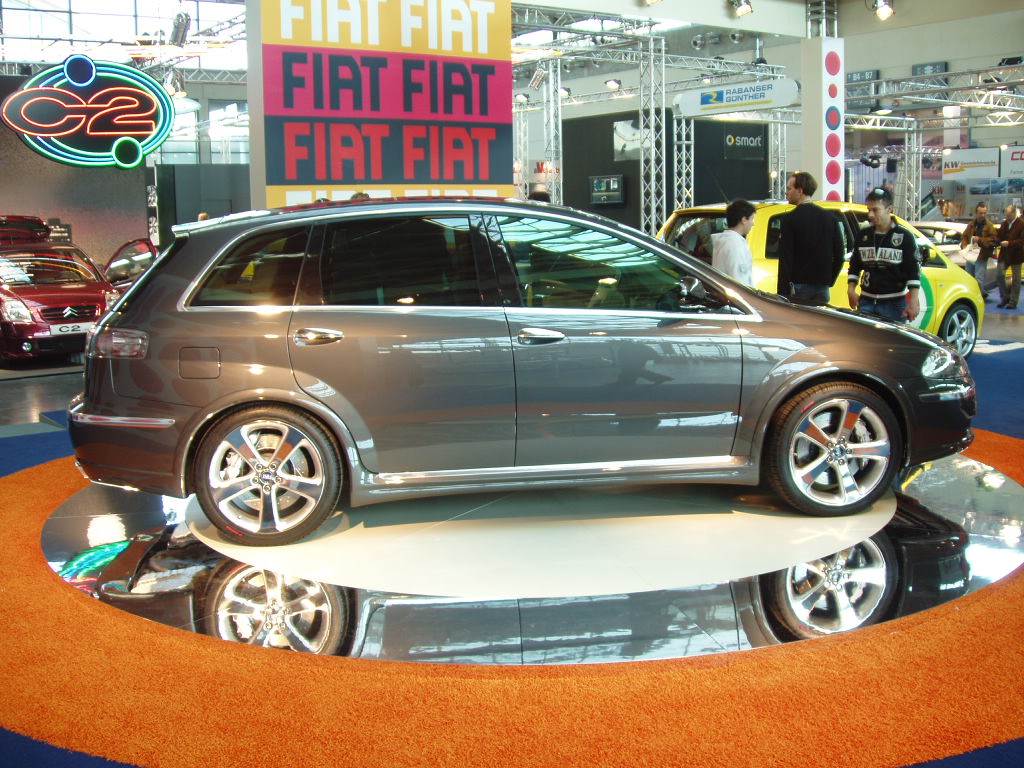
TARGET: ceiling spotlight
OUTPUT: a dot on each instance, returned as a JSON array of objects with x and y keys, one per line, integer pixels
[
  {"x": 179, "y": 31},
  {"x": 736, "y": 36},
  {"x": 883, "y": 9},
  {"x": 613, "y": 84},
  {"x": 742, "y": 7}
]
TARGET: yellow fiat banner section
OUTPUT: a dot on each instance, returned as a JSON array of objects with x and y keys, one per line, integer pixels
[{"x": 480, "y": 29}]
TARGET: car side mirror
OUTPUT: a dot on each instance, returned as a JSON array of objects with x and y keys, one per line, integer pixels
[{"x": 692, "y": 289}]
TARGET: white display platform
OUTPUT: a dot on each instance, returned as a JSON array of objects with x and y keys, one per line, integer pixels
[{"x": 542, "y": 544}]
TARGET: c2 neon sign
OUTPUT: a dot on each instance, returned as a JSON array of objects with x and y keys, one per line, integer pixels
[{"x": 91, "y": 113}]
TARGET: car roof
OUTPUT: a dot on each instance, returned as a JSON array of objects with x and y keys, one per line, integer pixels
[
  {"x": 23, "y": 229},
  {"x": 314, "y": 210}
]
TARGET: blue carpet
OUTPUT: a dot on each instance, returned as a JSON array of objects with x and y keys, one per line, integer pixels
[
  {"x": 998, "y": 368},
  {"x": 21, "y": 752},
  {"x": 1008, "y": 755},
  {"x": 24, "y": 451}
]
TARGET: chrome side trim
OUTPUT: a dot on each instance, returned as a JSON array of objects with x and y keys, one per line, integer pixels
[
  {"x": 121, "y": 421},
  {"x": 370, "y": 487}
]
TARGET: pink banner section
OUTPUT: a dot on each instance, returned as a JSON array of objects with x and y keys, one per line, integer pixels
[{"x": 383, "y": 85}]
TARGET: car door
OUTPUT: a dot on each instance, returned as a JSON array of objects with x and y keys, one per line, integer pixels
[
  {"x": 621, "y": 353},
  {"x": 396, "y": 333}
]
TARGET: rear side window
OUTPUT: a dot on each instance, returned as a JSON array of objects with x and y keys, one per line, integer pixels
[
  {"x": 261, "y": 271},
  {"x": 400, "y": 261}
]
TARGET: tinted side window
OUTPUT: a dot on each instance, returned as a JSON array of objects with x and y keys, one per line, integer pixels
[
  {"x": 262, "y": 270},
  {"x": 564, "y": 265},
  {"x": 406, "y": 261}
]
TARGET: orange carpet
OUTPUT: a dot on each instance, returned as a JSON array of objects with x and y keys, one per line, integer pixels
[{"x": 85, "y": 676}]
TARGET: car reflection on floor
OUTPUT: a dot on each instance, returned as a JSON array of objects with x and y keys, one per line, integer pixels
[{"x": 164, "y": 574}]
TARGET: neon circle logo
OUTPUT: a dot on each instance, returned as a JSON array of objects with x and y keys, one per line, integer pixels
[{"x": 90, "y": 113}]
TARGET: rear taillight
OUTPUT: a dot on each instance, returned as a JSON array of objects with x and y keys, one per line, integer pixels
[{"x": 120, "y": 343}]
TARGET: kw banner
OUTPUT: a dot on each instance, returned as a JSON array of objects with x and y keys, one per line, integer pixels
[{"x": 403, "y": 98}]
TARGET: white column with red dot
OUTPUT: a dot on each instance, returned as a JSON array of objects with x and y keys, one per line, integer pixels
[{"x": 823, "y": 96}]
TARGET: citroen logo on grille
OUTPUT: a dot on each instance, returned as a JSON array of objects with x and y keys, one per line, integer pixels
[{"x": 70, "y": 312}]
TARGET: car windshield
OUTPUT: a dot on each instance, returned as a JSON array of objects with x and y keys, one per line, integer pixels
[{"x": 46, "y": 267}]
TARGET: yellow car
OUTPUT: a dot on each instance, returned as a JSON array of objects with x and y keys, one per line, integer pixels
[{"x": 951, "y": 303}]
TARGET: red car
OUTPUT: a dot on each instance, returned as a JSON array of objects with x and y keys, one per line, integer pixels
[{"x": 51, "y": 294}]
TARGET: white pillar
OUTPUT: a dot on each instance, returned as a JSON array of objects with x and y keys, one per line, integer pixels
[{"x": 823, "y": 94}]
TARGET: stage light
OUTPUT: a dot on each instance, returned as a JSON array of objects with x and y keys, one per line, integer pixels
[
  {"x": 179, "y": 32},
  {"x": 613, "y": 84},
  {"x": 742, "y": 7},
  {"x": 883, "y": 9},
  {"x": 522, "y": 98},
  {"x": 565, "y": 93}
]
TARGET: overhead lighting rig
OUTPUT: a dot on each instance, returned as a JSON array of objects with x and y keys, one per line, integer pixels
[
  {"x": 883, "y": 8},
  {"x": 741, "y": 7}
]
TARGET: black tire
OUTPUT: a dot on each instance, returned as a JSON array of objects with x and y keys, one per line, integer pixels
[
  {"x": 959, "y": 328},
  {"x": 252, "y": 605},
  {"x": 268, "y": 475},
  {"x": 833, "y": 449},
  {"x": 847, "y": 590}
]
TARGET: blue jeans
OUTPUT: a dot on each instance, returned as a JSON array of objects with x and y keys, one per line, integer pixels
[
  {"x": 887, "y": 309},
  {"x": 809, "y": 293}
]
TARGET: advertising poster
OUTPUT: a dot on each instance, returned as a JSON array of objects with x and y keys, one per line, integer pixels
[
  {"x": 394, "y": 98},
  {"x": 960, "y": 164}
]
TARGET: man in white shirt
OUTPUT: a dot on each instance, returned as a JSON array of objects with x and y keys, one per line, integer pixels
[{"x": 730, "y": 252}]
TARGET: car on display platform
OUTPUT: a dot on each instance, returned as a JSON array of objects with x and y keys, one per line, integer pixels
[
  {"x": 51, "y": 294},
  {"x": 282, "y": 365},
  {"x": 952, "y": 306}
]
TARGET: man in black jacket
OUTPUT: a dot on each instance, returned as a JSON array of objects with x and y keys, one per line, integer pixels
[
  {"x": 810, "y": 245},
  {"x": 885, "y": 263}
]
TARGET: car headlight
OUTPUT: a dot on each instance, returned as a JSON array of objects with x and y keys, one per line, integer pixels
[
  {"x": 15, "y": 311},
  {"x": 940, "y": 363}
]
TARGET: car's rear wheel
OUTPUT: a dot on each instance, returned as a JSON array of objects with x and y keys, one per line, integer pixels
[
  {"x": 834, "y": 449},
  {"x": 268, "y": 475},
  {"x": 843, "y": 591},
  {"x": 960, "y": 329},
  {"x": 252, "y": 605}
]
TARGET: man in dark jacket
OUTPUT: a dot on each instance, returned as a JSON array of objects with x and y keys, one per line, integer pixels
[
  {"x": 885, "y": 263},
  {"x": 810, "y": 245},
  {"x": 1011, "y": 255},
  {"x": 982, "y": 233}
]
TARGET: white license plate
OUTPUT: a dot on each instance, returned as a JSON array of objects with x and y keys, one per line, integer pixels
[{"x": 67, "y": 328}]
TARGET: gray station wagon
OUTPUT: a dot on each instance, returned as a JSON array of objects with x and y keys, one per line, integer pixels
[{"x": 283, "y": 365}]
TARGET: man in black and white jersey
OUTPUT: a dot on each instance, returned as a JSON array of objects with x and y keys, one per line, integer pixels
[{"x": 885, "y": 263}]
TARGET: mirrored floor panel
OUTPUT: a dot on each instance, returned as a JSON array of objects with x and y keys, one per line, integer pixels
[{"x": 955, "y": 528}]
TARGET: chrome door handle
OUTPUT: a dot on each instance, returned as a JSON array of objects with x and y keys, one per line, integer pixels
[
  {"x": 314, "y": 337},
  {"x": 539, "y": 336}
]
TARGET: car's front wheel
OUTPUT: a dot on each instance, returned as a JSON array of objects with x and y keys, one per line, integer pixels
[
  {"x": 846, "y": 590},
  {"x": 834, "y": 449},
  {"x": 960, "y": 329},
  {"x": 267, "y": 475}
]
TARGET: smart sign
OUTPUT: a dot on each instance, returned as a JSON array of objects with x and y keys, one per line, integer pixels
[{"x": 90, "y": 113}]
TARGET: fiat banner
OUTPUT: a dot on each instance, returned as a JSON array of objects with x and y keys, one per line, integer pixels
[{"x": 388, "y": 97}]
